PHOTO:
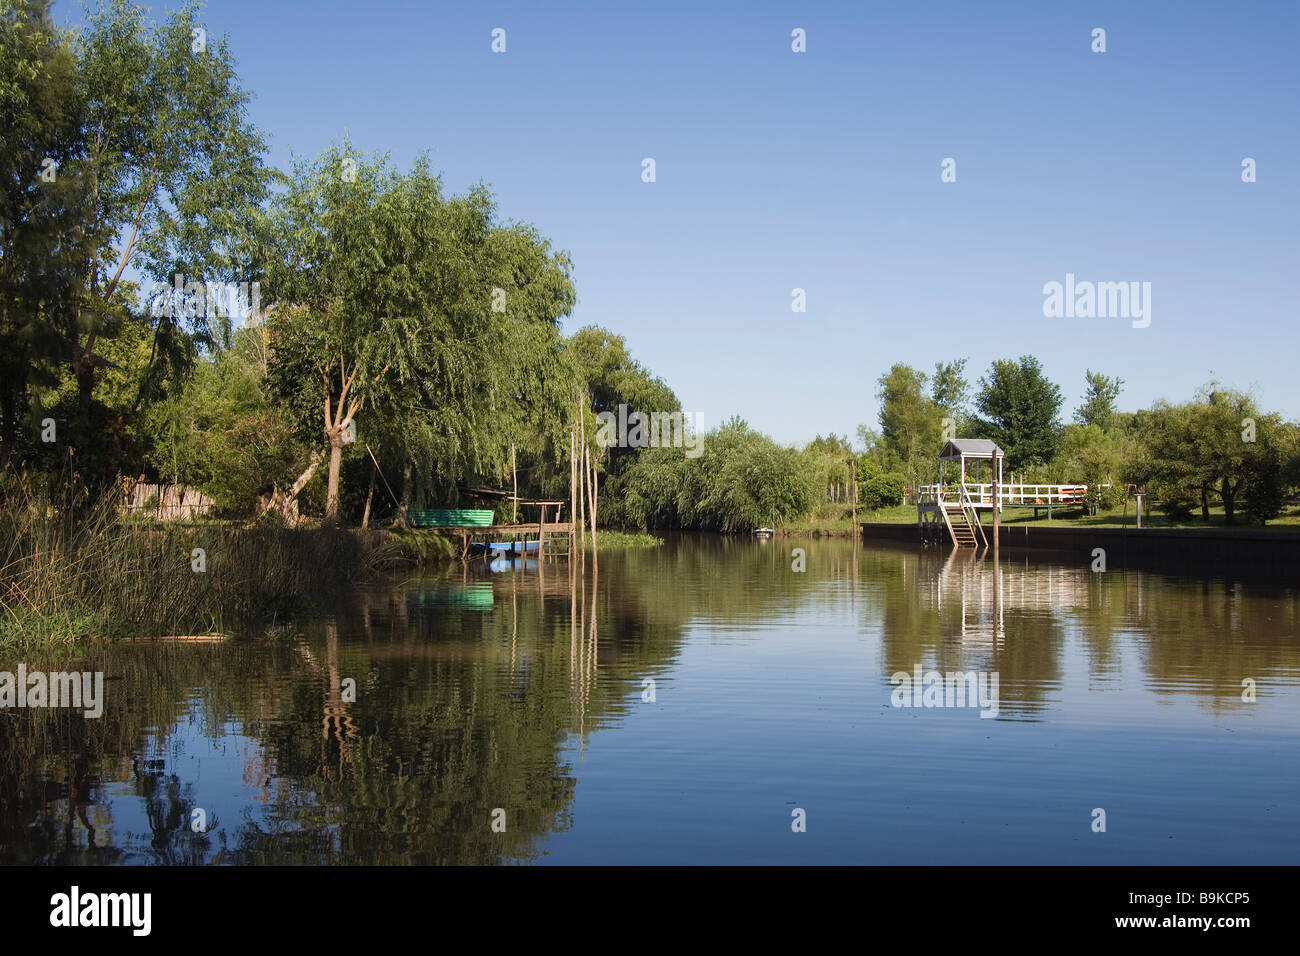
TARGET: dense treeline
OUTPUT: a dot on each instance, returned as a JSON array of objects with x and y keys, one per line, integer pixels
[{"x": 1218, "y": 449}]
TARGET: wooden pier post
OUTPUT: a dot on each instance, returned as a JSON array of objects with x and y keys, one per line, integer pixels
[
  {"x": 853, "y": 490},
  {"x": 591, "y": 494},
  {"x": 580, "y": 462},
  {"x": 573, "y": 490},
  {"x": 997, "y": 503}
]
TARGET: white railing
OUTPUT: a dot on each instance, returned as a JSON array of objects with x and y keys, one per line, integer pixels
[{"x": 981, "y": 495}]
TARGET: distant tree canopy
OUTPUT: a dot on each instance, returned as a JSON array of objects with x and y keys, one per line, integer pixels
[
  {"x": 743, "y": 480},
  {"x": 911, "y": 423},
  {"x": 1218, "y": 446}
]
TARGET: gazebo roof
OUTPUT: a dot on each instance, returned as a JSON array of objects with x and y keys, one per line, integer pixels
[{"x": 958, "y": 448}]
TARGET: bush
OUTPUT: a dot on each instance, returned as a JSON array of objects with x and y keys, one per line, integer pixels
[
  {"x": 881, "y": 490},
  {"x": 1178, "y": 504}
]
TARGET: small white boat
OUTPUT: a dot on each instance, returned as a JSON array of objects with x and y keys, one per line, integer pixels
[{"x": 763, "y": 532}]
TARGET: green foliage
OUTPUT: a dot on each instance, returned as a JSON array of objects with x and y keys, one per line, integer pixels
[
  {"x": 392, "y": 299},
  {"x": 911, "y": 423},
  {"x": 1018, "y": 408},
  {"x": 880, "y": 489},
  {"x": 222, "y": 431},
  {"x": 1176, "y": 502},
  {"x": 602, "y": 363},
  {"x": 157, "y": 169},
  {"x": 950, "y": 390},
  {"x": 1204, "y": 448},
  {"x": 1098, "y": 406},
  {"x": 1094, "y": 457},
  {"x": 826, "y": 462},
  {"x": 742, "y": 480}
]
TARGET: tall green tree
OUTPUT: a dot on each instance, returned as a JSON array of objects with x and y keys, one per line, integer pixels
[
  {"x": 1018, "y": 408},
  {"x": 611, "y": 377},
  {"x": 40, "y": 117},
  {"x": 911, "y": 423},
  {"x": 1098, "y": 406},
  {"x": 160, "y": 175},
  {"x": 950, "y": 390}
]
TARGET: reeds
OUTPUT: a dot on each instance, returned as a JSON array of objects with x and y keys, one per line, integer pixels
[{"x": 72, "y": 568}]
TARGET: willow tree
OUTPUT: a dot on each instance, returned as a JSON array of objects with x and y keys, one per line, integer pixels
[
  {"x": 504, "y": 382},
  {"x": 396, "y": 305}
]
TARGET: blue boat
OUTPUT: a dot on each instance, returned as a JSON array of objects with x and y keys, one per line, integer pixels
[{"x": 503, "y": 547}]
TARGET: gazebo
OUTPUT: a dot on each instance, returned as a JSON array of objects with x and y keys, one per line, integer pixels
[{"x": 975, "y": 451}]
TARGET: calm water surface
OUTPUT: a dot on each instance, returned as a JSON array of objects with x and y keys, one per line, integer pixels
[{"x": 529, "y": 690}]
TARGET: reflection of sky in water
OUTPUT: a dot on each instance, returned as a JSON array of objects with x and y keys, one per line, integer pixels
[{"x": 219, "y": 774}]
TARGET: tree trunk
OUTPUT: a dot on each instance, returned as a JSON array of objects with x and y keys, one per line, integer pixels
[
  {"x": 404, "y": 505},
  {"x": 591, "y": 492},
  {"x": 1205, "y": 502},
  {"x": 370, "y": 496},
  {"x": 1229, "y": 494},
  {"x": 288, "y": 504},
  {"x": 332, "y": 487}
]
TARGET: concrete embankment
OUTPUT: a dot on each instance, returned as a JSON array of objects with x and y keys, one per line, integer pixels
[{"x": 1193, "y": 552}]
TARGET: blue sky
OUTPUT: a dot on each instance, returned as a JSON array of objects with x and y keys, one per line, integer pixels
[{"x": 821, "y": 171}]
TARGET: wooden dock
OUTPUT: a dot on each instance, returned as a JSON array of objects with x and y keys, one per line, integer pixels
[{"x": 543, "y": 531}]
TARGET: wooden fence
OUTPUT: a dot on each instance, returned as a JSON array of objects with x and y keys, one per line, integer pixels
[{"x": 165, "y": 502}]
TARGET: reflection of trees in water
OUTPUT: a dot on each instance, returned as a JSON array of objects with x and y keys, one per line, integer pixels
[
  {"x": 1239, "y": 631},
  {"x": 956, "y": 610},
  {"x": 168, "y": 804},
  {"x": 472, "y": 690},
  {"x": 461, "y": 708}
]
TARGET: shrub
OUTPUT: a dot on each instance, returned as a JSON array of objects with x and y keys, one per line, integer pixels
[
  {"x": 1178, "y": 504},
  {"x": 881, "y": 490}
]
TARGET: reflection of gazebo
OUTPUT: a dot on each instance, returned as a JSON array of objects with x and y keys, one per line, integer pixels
[{"x": 975, "y": 451}]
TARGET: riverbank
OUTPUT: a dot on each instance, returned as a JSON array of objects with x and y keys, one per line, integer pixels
[
  {"x": 1194, "y": 552},
  {"x": 72, "y": 576},
  {"x": 424, "y": 548},
  {"x": 75, "y": 571},
  {"x": 838, "y": 522}
]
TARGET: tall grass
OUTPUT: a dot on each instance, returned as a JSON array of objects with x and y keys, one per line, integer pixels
[{"x": 71, "y": 568}]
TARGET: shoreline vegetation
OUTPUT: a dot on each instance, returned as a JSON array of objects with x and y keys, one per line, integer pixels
[{"x": 77, "y": 571}]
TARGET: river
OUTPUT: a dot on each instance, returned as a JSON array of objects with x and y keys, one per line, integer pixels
[{"x": 700, "y": 702}]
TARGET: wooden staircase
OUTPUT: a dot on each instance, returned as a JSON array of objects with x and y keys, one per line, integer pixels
[{"x": 963, "y": 522}]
